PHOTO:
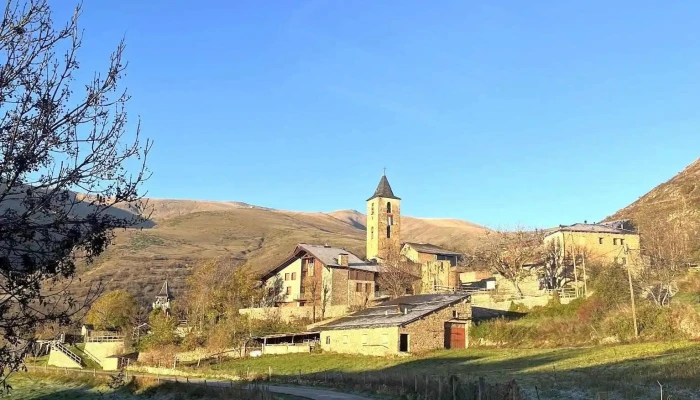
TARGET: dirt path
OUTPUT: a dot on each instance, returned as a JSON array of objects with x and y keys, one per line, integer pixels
[{"x": 299, "y": 391}]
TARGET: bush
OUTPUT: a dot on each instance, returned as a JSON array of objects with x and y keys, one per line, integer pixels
[
  {"x": 501, "y": 332},
  {"x": 518, "y": 307}
]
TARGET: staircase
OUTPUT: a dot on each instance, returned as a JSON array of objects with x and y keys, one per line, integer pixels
[{"x": 66, "y": 352}]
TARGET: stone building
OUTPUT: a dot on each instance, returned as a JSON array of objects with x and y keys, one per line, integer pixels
[
  {"x": 439, "y": 270},
  {"x": 614, "y": 242},
  {"x": 163, "y": 298},
  {"x": 322, "y": 275},
  {"x": 383, "y": 222},
  {"x": 410, "y": 324}
]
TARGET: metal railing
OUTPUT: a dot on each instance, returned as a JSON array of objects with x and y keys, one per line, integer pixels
[
  {"x": 92, "y": 356},
  {"x": 99, "y": 339},
  {"x": 63, "y": 349}
]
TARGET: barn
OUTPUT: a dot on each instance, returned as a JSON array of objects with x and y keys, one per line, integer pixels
[{"x": 409, "y": 324}]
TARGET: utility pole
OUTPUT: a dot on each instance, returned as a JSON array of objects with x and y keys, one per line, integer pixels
[
  {"x": 585, "y": 280},
  {"x": 575, "y": 273},
  {"x": 629, "y": 277}
]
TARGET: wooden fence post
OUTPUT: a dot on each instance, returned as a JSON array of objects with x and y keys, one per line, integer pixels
[
  {"x": 454, "y": 388},
  {"x": 269, "y": 374},
  {"x": 426, "y": 387}
]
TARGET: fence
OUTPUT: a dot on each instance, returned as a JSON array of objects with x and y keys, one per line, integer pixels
[
  {"x": 101, "y": 339},
  {"x": 407, "y": 386}
]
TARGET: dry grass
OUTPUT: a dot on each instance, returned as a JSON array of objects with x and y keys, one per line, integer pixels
[{"x": 188, "y": 231}]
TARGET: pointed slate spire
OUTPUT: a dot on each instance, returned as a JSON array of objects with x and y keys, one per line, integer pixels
[
  {"x": 384, "y": 190},
  {"x": 164, "y": 291}
]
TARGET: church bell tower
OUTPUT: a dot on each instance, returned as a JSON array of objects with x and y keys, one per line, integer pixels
[{"x": 383, "y": 222}]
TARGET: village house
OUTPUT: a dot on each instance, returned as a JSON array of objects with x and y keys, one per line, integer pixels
[
  {"x": 322, "y": 276},
  {"x": 614, "y": 242},
  {"x": 438, "y": 266},
  {"x": 410, "y": 324}
]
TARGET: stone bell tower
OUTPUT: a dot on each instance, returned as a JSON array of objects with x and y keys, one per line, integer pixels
[{"x": 383, "y": 222}]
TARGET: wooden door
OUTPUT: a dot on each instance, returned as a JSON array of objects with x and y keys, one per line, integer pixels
[{"x": 457, "y": 336}]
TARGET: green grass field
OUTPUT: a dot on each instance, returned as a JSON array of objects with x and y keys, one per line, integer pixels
[
  {"x": 38, "y": 386},
  {"x": 630, "y": 371}
]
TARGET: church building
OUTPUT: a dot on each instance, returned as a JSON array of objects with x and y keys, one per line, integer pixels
[{"x": 324, "y": 275}]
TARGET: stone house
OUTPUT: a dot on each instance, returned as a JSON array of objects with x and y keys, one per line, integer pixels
[
  {"x": 322, "y": 276},
  {"x": 613, "y": 242},
  {"x": 410, "y": 324},
  {"x": 438, "y": 266}
]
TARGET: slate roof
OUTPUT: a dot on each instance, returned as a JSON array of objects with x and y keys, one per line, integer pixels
[
  {"x": 389, "y": 314},
  {"x": 593, "y": 228},
  {"x": 384, "y": 190},
  {"x": 327, "y": 255},
  {"x": 431, "y": 249},
  {"x": 164, "y": 291}
]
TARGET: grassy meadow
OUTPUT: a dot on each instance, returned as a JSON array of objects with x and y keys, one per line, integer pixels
[
  {"x": 41, "y": 386},
  {"x": 629, "y": 371}
]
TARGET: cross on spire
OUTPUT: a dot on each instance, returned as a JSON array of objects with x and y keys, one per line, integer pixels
[{"x": 384, "y": 171}]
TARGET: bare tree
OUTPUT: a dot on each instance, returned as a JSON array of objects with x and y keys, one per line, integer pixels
[
  {"x": 556, "y": 265},
  {"x": 397, "y": 274},
  {"x": 666, "y": 254},
  {"x": 510, "y": 253},
  {"x": 57, "y": 138}
]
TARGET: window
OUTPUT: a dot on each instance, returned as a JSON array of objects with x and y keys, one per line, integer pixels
[
  {"x": 358, "y": 287},
  {"x": 328, "y": 340},
  {"x": 372, "y": 208},
  {"x": 622, "y": 242},
  {"x": 624, "y": 261},
  {"x": 390, "y": 220},
  {"x": 388, "y": 232},
  {"x": 371, "y": 233},
  {"x": 364, "y": 339},
  {"x": 388, "y": 207},
  {"x": 600, "y": 240},
  {"x": 286, "y": 276},
  {"x": 352, "y": 274},
  {"x": 345, "y": 339},
  {"x": 615, "y": 241},
  {"x": 368, "y": 287},
  {"x": 289, "y": 290},
  {"x": 294, "y": 276}
]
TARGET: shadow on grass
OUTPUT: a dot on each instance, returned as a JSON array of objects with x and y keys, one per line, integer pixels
[{"x": 551, "y": 374}]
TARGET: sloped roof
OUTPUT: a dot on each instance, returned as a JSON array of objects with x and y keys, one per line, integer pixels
[
  {"x": 431, "y": 249},
  {"x": 164, "y": 291},
  {"x": 384, "y": 190},
  {"x": 327, "y": 255},
  {"x": 389, "y": 314},
  {"x": 592, "y": 228}
]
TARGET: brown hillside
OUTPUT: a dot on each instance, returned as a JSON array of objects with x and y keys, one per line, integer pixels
[
  {"x": 188, "y": 231},
  {"x": 678, "y": 197}
]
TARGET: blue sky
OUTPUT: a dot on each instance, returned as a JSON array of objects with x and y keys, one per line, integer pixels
[{"x": 502, "y": 113}]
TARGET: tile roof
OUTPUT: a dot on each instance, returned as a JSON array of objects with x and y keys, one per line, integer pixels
[
  {"x": 384, "y": 190},
  {"x": 431, "y": 249},
  {"x": 329, "y": 256},
  {"x": 388, "y": 314}
]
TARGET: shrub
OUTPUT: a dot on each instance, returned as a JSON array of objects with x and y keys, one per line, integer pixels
[{"x": 518, "y": 307}]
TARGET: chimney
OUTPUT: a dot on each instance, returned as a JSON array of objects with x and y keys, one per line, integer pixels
[{"x": 343, "y": 259}]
